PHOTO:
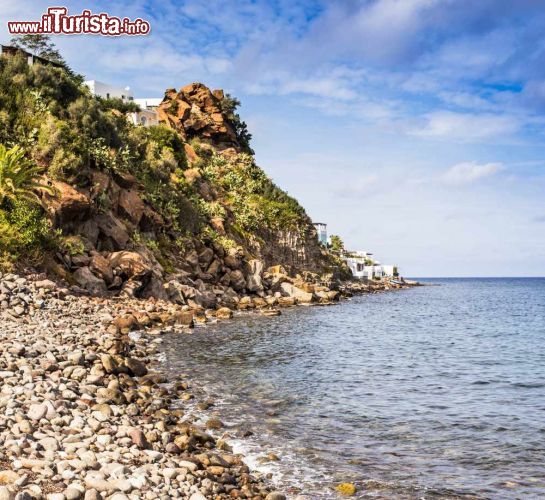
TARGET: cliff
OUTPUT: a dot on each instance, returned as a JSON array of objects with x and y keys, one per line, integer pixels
[{"x": 179, "y": 211}]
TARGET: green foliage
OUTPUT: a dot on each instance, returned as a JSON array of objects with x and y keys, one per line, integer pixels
[
  {"x": 165, "y": 137},
  {"x": 72, "y": 245},
  {"x": 118, "y": 104},
  {"x": 69, "y": 133},
  {"x": 229, "y": 106},
  {"x": 18, "y": 177},
  {"x": 23, "y": 231},
  {"x": 336, "y": 244},
  {"x": 41, "y": 45},
  {"x": 255, "y": 201}
]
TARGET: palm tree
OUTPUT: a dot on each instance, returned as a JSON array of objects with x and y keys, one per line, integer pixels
[{"x": 19, "y": 179}]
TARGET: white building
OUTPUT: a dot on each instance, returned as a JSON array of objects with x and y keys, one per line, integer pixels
[
  {"x": 149, "y": 102},
  {"x": 363, "y": 266},
  {"x": 358, "y": 264},
  {"x": 144, "y": 117},
  {"x": 389, "y": 270},
  {"x": 106, "y": 91},
  {"x": 321, "y": 229},
  {"x": 147, "y": 116}
]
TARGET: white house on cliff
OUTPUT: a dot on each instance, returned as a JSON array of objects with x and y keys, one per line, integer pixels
[
  {"x": 147, "y": 116},
  {"x": 363, "y": 266}
]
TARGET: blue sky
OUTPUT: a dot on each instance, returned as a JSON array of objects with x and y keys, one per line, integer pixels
[{"x": 414, "y": 128}]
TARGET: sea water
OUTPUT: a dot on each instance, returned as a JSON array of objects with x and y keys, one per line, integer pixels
[{"x": 431, "y": 392}]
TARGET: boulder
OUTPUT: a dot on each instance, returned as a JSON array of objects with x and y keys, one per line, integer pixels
[
  {"x": 174, "y": 292},
  {"x": 136, "y": 367},
  {"x": 237, "y": 280},
  {"x": 224, "y": 313},
  {"x": 138, "y": 438},
  {"x": 214, "y": 268},
  {"x": 112, "y": 233},
  {"x": 206, "y": 299},
  {"x": 90, "y": 231},
  {"x": 183, "y": 318},
  {"x": 290, "y": 290},
  {"x": 195, "y": 109},
  {"x": 192, "y": 258},
  {"x": 129, "y": 265},
  {"x": 67, "y": 207},
  {"x": 233, "y": 258},
  {"x": 131, "y": 205},
  {"x": 87, "y": 280},
  {"x": 126, "y": 323},
  {"x": 286, "y": 301},
  {"x": 206, "y": 257},
  {"x": 150, "y": 220},
  {"x": 278, "y": 269},
  {"x": 254, "y": 282},
  {"x": 100, "y": 266}
]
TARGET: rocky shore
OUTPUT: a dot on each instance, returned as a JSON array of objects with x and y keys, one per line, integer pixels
[{"x": 83, "y": 415}]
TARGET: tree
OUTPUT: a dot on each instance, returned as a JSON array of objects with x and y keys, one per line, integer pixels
[
  {"x": 336, "y": 244},
  {"x": 18, "y": 177},
  {"x": 40, "y": 45},
  {"x": 229, "y": 106}
]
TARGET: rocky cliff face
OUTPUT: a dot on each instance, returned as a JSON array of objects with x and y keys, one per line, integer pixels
[
  {"x": 196, "y": 112},
  {"x": 230, "y": 222}
]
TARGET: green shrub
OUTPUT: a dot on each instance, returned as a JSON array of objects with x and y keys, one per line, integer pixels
[
  {"x": 229, "y": 106},
  {"x": 24, "y": 230},
  {"x": 165, "y": 137},
  {"x": 118, "y": 104},
  {"x": 255, "y": 201},
  {"x": 19, "y": 179}
]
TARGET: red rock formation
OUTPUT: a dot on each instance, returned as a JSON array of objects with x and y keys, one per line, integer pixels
[{"x": 196, "y": 111}]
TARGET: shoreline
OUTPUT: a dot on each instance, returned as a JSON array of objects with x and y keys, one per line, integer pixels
[{"x": 83, "y": 417}]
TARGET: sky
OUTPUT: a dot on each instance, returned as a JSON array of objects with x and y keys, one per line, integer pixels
[{"x": 414, "y": 128}]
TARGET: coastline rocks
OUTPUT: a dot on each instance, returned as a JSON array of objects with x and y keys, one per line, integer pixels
[
  {"x": 302, "y": 297},
  {"x": 275, "y": 495},
  {"x": 84, "y": 417},
  {"x": 253, "y": 277},
  {"x": 88, "y": 281},
  {"x": 237, "y": 280},
  {"x": 224, "y": 313},
  {"x": 67, "y": 207}
]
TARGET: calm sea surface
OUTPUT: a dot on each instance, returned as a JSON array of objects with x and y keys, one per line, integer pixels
[{"x": 433, "y": 392}]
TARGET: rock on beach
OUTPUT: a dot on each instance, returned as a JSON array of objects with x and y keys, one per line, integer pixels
[{"x": 84, "y": 416}]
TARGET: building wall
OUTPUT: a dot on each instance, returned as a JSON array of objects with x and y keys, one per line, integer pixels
[
  {"x": 109, "y": 91},
  {"x": 321, "y": 230},
  {"x": 145, "y": 117},
  {"x": 388, "y": 270},
  {"x": 149, "y": 102}
]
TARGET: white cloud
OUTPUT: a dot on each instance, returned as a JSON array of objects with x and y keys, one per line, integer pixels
[
  {"x": 470, "y": 172},
  {"x": 466, "y": 127}
]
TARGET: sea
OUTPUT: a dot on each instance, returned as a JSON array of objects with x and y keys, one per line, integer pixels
[{"x": 436, "y": 391}]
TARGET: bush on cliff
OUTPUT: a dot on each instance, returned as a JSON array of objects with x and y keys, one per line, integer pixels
[
  {"x": 255, "y": 201},
  {"x": 229, "y": 106},
  {"x": 23, "y": 227}
]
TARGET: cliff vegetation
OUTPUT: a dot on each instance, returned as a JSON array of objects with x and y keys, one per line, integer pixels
[{"x": 116, "y": 207}]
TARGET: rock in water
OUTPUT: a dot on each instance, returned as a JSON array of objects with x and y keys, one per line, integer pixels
[{"x": 346, "y": 489}]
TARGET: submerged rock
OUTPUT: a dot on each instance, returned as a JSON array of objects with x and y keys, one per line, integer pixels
[{"x": 346, "y": 489}]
